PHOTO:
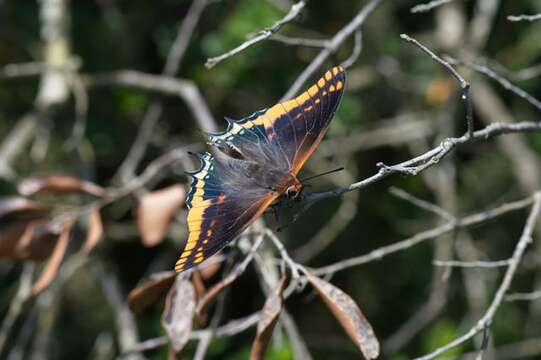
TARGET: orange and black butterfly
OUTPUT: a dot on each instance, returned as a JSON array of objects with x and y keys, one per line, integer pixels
[{"x": 256, "y": 164}]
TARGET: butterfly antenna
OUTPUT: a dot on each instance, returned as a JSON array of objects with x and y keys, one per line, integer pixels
[{"x": 322, "y": 174}]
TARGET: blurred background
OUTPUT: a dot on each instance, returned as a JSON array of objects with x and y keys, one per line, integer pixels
[{"x": 100, "y": 99}]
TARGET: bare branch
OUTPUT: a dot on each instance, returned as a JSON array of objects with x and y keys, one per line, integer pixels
[
  {"x": 383, "y": 251},
  {"x": 153, "y": 113},
  {"x": 428, "y": 6},
  {"x": 524, "y": 17},
  {"x": 486, "y": 320},
  {"x": 423, "y": 204},
  {"x": 463, "y": 83},
  {"x": 472, "y": 264},
  {"x": 185, "y": 89},
  {"x": 333, "y": 45},
  {"x": 17, "y": 304},
  {"x": 297, "y": 41},
  {"x": 428, "y": 159},
  {"x": 536, "y": 295},
  {"x": 261, "y": 35},
  {"x": 357, "y": 49},
  {"x": 506, "y": 84}
]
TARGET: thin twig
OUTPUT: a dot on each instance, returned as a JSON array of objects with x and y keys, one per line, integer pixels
[
  {"x": 261, "y": 35},
  {"x": 333, "y": 45},
  {"x": 185, "y": 89},
  {"x": 231, "y": 328},
  {"x": 383, "y": 251},
  {"x": 524, "y": 17},
  {"x": 506, "y": 84},
  {"x": 463, "y": 83},
  {"x": 423, "y": 204},
  {"x": 426, "y": 160},
  {"x": 536, "y": 295},
  {"x": 472, "y": 264},
  {"x": 17, "y": 304},
  {"x": 486, "y": 320},
  {"x": 297, "y": 41},
  {"x": 154, "y": 111},
  {"x": 428, "y": 6}
]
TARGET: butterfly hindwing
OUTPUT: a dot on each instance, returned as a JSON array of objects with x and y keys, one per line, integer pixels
[{"x": 219, "y": 210}]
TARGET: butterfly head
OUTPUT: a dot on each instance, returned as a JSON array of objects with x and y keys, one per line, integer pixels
[{"x": 294, "y": 192}]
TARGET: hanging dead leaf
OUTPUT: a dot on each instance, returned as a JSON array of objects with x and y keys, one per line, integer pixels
[
  {"x": 21, "y": 207},
  {"x": 214, "y": 291},
  {"x": 177, "y": 317},
  {"x": 210, "y": 268},
  {"x": 269, "y": 316},
  {"x": 200, "y": 290},
  {"x": 349, "y": 315},
  {"x": 155, "y": 212},
  {"x": 27, "y": 240},
  {"x": 58, "y": 184},
  {"x": 95, "y": 231},
  {"x": 55, "y": 260},
  {"x": 150, "y": 291}
]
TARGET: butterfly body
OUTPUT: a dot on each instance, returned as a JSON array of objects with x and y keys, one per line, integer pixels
[{"x": 255, "y": 165}]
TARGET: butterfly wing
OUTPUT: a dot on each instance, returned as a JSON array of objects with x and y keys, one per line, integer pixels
[
  {"x": 228, "y": 193},
  {"x": 222, "y": 203},
  {"x": 285, "y": 135},
  {"x": 301, "y": 123}
]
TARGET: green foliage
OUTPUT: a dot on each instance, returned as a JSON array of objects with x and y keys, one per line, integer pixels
[{"x": 441, "y": 333}]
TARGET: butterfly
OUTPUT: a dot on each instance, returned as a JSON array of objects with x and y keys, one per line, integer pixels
[{"x": 256, "y": 164}]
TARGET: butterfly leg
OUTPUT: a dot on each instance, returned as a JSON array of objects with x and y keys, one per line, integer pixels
[{"x": 282, "y": 227}]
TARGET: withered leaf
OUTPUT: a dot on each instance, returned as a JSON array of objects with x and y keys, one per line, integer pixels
[
  {"x": 95, "y": 231},
  {"x": 349, "y": 315},
  {"x": 55, "y": 260},
  {"x": 27, "y": 240},
  {"x": 177, "y": 317},
  {"x": 150, "y": 291},
  {"x": 200, "y": 290},
  {"x": 21, "y": 207},
  {"x": 58, "y": 184},
  {"x": 269, "y": 316},
  {"x": 214, "y": 291},
  {"x": 155, "y": 211}
]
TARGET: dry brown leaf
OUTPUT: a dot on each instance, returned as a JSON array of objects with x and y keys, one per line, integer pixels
[
  {"x": 269, "y": 316},
  {"x": 214, "y": 291},
  {"x": 58, "y": 184},
  {"x": 211, "y": 268},
  {"x": 177, "y": 317},
  {"x": 155, "y": 212},
  {"x": 27, "y": 240},
  {"x": 95, "y": 231},
  {"x": 200, "y": 290},
  {"x": 21, "y": 207},
  {"x": 150, "y": 291},
  {"x": 55, "y": 260},
  {"x": 349, "y": 315}
]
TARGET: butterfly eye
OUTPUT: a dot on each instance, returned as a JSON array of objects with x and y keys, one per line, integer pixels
[{"x": 291, "y": 192}]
